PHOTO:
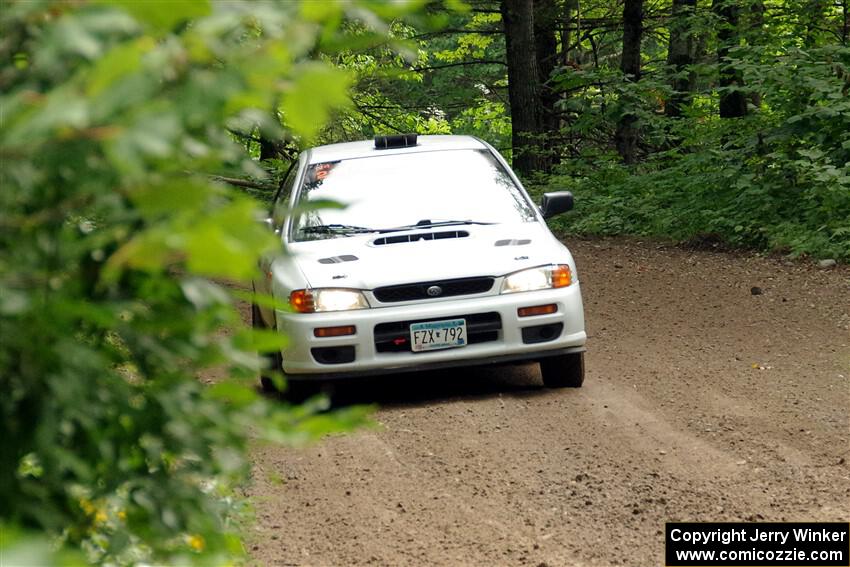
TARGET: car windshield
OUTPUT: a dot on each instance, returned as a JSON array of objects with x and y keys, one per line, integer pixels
[{"x": 406, "y": 191}]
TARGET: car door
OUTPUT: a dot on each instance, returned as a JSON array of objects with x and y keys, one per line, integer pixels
[{"x": 277, "y": 218}]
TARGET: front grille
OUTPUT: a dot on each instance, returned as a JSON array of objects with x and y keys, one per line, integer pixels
[
  {"x": 412, "y": 292},
  {"x": 395, "y": 336}
]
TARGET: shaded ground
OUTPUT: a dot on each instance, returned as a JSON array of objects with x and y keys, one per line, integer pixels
[{"x": 703, "y": 402}]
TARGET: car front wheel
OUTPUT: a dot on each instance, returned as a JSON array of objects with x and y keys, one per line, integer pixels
[
  {"x": 563, "y": 371},
  {"x": 296, "y": 390}
]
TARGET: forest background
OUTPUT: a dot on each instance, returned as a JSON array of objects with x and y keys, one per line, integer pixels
[{"x": 710, "y": 122}]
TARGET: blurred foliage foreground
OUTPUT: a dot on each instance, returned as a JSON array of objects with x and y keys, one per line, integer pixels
[{"x": 111, "y": 448}]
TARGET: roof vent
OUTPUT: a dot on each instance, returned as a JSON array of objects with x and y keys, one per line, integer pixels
[{"x": 395, "y": 141}]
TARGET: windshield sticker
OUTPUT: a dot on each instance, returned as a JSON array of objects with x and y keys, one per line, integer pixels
[{"x": 318, "y": 172}]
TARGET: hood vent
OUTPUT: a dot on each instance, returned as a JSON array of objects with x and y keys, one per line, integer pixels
[
  {"x": 521, "y": 242},
  {"x": 420, "y": 236},
  {"x": 338, "y": 259}
]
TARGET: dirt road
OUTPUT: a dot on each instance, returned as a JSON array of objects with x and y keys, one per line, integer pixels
[{"x": 702, "y": 402}]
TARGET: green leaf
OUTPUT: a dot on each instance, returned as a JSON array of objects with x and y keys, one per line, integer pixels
[
  {"x": 260, "y": 340},
  {"x": 149, "y": 250},
  {"x": 811, "y": 153},
  {"x": 233, "y": 392},
  {"x": 261, "y": 299},
  {"x": 226, "y": 242},
  {"x": 117, "y": 64},
  {"x": 317, "y": 90},
  {"x": 171, "y": 197},
  {"x": 203, "y": 293},
  {"x": 321, "y": 11},
  {"x": 163, "y": 15}
]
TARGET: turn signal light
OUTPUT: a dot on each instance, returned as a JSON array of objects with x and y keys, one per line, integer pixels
[
  {"x": 334, "y": 331},
  {"x": 301, "y": 300},
  {"x": 561, "y": 276},
  {"x": 537, "y": 310}
]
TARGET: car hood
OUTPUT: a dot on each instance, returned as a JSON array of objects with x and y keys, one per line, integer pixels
[{"x": 488, "y": 250}]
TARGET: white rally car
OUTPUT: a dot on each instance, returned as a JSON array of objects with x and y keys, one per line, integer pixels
[{"x": 438, "y": 259}]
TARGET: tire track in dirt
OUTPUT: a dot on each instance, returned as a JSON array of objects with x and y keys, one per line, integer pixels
[{"x": 485, "y": 467}]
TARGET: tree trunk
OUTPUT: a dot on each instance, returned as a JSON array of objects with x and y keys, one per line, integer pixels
[
  {"x": 756, "y": 37},
  {"x": 546, "y": 51},
  {"x": 627, "y": 133},
  {"x": 269, "y": 149},
  {"x": 566, "y": 35},
  {"x": 578, "y": 55},
  {"x": 523, "y": 84},
  {"x": 680, "y": 55},
  {"x": 733, "y": 103},
  {"x": 632, "y": 33}
]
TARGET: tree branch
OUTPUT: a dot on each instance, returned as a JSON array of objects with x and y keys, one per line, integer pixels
[
  {"x": 377, "y": 119},
  {"x": 242, "y": 182},
  {"x": 456, "y": 32},
  {"x": 460, "y": 63},
  {"x": 244, "y": 136}
]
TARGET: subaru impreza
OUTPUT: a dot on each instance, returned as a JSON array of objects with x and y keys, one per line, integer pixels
[{"x": 437, "y": 258}]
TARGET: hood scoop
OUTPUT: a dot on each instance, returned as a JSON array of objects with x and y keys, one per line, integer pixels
[
  {"x": 514, "y": 242},
  {"x": 338, "y": 259},
  {"x": 420, "y": 236}
]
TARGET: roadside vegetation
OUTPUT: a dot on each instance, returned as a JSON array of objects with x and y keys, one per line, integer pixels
[{"x": 114, "y": 117}]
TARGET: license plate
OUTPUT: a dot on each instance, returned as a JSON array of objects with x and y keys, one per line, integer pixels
[{"x": 435, "y": 335}]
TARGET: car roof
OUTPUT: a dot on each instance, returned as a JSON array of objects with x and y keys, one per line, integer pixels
[{"x": 366, "y": 148}]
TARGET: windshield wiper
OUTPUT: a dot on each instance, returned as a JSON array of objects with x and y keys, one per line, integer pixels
[
  {"x": 336, "y": 229},
  {"x": 427, "y": 223}
]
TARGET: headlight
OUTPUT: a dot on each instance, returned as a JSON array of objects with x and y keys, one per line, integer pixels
[
  {"x": 330, "y": 299},
  {"x": 543, "y": 277}
]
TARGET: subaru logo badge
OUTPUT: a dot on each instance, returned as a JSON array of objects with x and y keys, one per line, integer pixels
[{"x": 434, "y": 290}]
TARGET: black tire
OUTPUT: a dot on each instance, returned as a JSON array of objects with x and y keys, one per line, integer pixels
[
  {"x": 274, "y": 362},
  {"x": 298, "y": 391},
  {"x": 563, "y": 371}
]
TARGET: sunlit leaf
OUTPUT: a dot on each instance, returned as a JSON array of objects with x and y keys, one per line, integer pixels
[
  {"x": 203, "y": 293},
  {"x": 225, "y": 242},
  {"x": 317, "y": 90},
  {"x": 118, "y": 63},
  {"x": 163, "y": 15},
  {"x": 260, "y": 340},
  {"x": 322, "y": 11},
  {"x": 261, "y": 299}
]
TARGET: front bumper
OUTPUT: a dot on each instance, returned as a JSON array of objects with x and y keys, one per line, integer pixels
[{"x": 503, "y": 345}]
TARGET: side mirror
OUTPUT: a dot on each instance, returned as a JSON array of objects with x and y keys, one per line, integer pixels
[{"x": 556, "y": 203}]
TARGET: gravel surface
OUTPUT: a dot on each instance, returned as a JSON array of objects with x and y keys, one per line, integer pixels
[{"x": 704, "y": 401}]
